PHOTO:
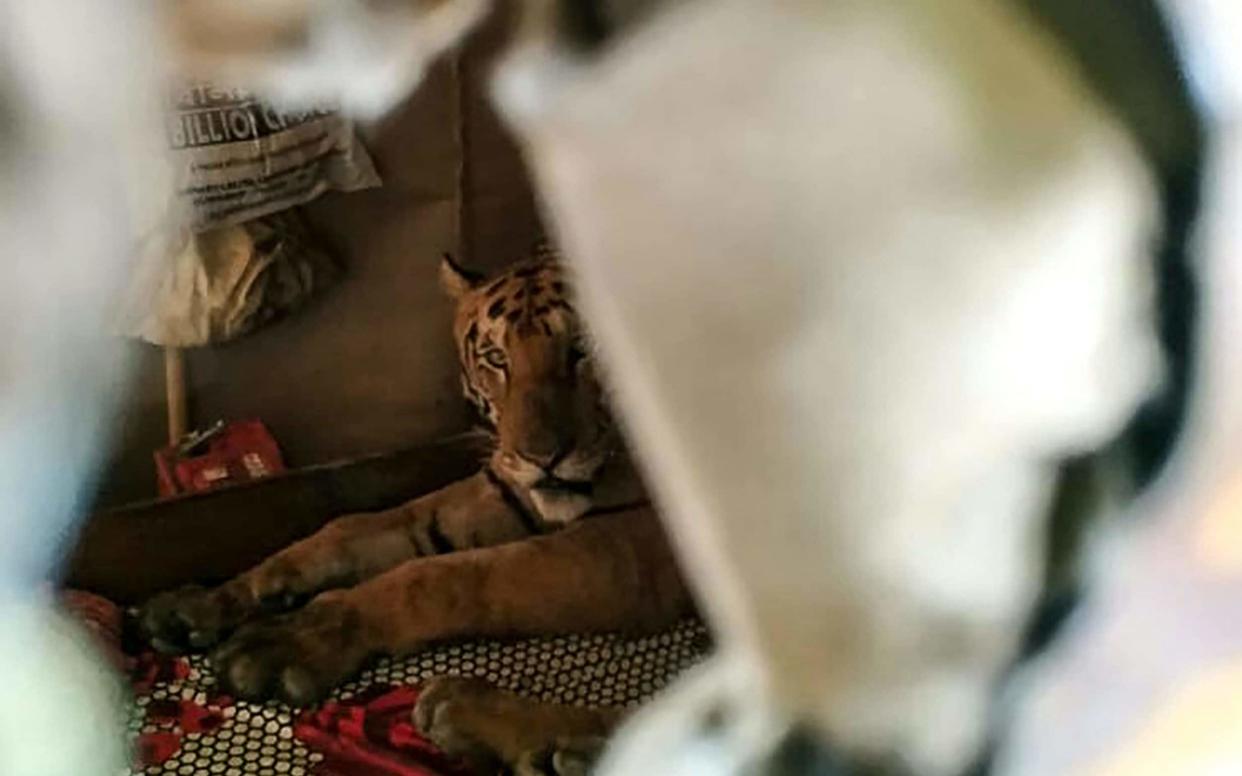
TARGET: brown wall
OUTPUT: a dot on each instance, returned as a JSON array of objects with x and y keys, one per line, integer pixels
[{"x": 368, "y": 367}]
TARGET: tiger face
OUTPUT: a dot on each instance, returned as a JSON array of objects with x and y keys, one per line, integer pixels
[{"x": 526, "y": 370}]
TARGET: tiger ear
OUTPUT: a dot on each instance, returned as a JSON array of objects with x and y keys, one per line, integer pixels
[{"x": 455, "y": 279}]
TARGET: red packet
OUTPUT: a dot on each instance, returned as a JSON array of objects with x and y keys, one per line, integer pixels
[{"x": 225, "y": 454}]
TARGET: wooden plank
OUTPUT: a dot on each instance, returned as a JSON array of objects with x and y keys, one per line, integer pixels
[{"x": 132, "y": 552}]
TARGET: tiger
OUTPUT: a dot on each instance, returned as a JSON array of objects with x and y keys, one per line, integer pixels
[{"x": 554, "y": 534}]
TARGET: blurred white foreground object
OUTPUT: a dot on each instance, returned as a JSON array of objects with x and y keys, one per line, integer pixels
[
  {"x": 1149, "y": 683},
  {"x": 77, "y": 132},
  {"x": 364, "y": 54},
  {"x": 62, "y": 714},
  {"x": 862, "y": 273}
]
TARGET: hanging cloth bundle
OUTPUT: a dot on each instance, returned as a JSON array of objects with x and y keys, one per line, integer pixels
[
  {"x": 236, "y": 253},
  {"x": 226, "y": 282}
]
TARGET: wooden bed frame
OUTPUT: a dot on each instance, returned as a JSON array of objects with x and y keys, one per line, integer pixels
[{"x": 129, "y": 553}]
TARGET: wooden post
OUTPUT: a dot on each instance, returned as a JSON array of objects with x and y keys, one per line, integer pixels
[{"x": 174, "y": 389}]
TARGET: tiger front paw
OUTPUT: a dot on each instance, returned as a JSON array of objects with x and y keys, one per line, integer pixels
[
  {"x": 189, "y": 618},
  {"x": 296, "y": 658}
]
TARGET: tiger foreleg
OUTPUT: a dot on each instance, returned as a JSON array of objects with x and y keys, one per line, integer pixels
[
  {"x": 466, "y": 514},
  {"x": 608, "y": 573}
]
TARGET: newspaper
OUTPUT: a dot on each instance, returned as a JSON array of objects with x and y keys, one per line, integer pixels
[{"x": 237, "y": 158}]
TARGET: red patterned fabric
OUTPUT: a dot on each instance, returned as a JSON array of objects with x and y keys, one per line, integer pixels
[
  {"x": 372, "y": 734},
  {"x": 102, "y": 618},
  {"x": 172, "y": 719},
  {"x": 156, "y": 748},
  {"x": 149, "y": 669},
  {"x": 181, "y": 724}
]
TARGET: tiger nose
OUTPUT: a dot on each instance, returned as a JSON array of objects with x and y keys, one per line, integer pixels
[
  {"x": 542, "y": 422},
  {"x": 548, "y": 441},
  {"x": 546, "y": 449}
]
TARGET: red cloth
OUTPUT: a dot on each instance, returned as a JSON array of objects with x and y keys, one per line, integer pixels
[
  {"x": 373, "y": 734},
  {"x": 102, "y": 618},
  {"x": 174, "y": 718},
  {"x": 149, "y": 669}
]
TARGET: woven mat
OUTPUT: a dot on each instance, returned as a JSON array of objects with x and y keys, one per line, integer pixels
[{"x": 188, "y": 729}]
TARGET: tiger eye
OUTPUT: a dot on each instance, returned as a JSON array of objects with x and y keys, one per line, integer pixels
[{"x": 495, "y": 359}]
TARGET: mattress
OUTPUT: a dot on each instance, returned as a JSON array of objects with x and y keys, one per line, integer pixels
[{"x": 183, "y": 724}]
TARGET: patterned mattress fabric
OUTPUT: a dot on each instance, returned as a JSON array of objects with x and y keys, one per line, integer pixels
[{"x": 184, "y": 726}]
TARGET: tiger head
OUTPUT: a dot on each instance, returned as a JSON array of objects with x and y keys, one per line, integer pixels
[{"x": 525, "y": 367}]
